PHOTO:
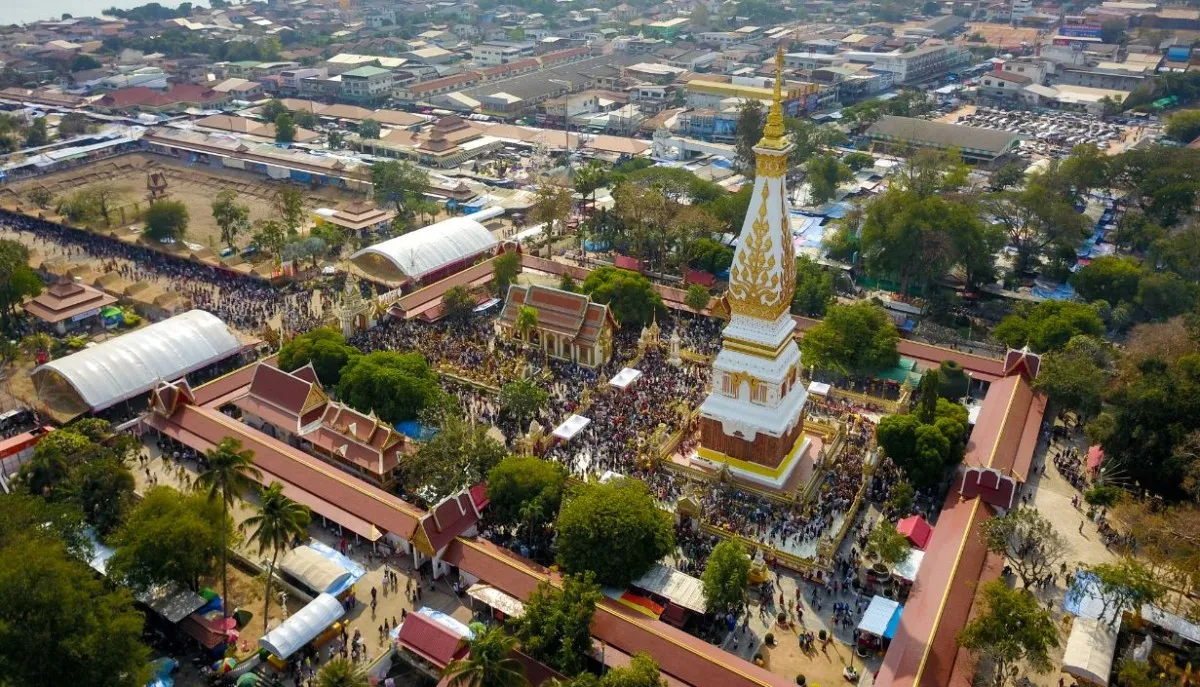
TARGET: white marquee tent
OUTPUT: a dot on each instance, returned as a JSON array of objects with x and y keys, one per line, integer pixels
[
  {"x": 303, "y": 627},
  {"x": 1090, "y": 649},
  {"x": 574, "y": 425},
  {"x": 128, "y": 365},
  {"x": 431, "y": 248}
]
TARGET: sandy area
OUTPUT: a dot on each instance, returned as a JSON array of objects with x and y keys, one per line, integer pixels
[
  {"x": 1000, "y": 35},
  {"x": 195, "y": 187}
]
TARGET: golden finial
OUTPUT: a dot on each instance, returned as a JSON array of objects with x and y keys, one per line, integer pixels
[{"x": 773, "y": 132}]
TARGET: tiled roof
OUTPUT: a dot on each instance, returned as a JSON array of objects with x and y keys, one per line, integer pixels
[
  {"x": 559, "y": 311},
  {"x": 429, "y": 639}
]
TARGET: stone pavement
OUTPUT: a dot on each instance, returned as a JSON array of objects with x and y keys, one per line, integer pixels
[{"x": 437, "y": 595}]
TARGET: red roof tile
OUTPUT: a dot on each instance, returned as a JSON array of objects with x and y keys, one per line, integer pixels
[{"x": 430, "y": 640}]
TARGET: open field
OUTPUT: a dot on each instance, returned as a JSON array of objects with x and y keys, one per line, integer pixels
[
  {"x": 1001, "y": 36},
  {"x": 195, "y": 187}
]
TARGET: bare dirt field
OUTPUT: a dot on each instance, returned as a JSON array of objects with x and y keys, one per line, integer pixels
[
  {"x": 1001, "y": 36},
  {"x": 195, "y": 187}
]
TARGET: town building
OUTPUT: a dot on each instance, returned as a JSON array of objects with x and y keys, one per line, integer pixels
[
  {"x": 977, "y": 145},
  {"x": 366, "y": 84},
  {"x": 68, "y": 306}
]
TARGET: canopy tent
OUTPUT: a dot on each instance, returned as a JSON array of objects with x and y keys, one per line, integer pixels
[
  {"x": 303, "y": 627},
  {"x": 573, "y": 425},
  {"x": 623, "y": 379},
  {"x": 319, "y": 573},
  {"x": 818, "y": 388},
  {"x": 431, "y": 248},
  {"x": 916, "y": 530},
  {"x": 882, "y": 617},
  {"x": 1095, "y": 458},
  {"x": 494, "y": 598},
  {"x": 356, "y": 571},
  {"x": 681, "y": 589},
  {"x": 908, "y": 568},
  {"x": 131, "y": 364},
  {"x": 1089, "y": 653}
]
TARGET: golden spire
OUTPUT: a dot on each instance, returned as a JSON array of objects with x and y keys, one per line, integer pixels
[{"x": 773, "y": 132}]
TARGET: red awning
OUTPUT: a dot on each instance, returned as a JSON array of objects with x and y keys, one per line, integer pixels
[
  {"x": 916, "y": 530},
  {"x": 429, "y": 639},
  {"x": 627, "y": 263},
  {"x": 699, "y": 277},
  {"x": 1095, "y": 458}
]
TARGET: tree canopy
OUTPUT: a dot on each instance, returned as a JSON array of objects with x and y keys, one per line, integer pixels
[
  {"x": 459, "y": 455},
  {"x": 614, "y": 530},
  {"x": 852, "y": 339},
  {"x": 324, "y": 347},
  {"x": 1029, "y": 542},
  {"x": 168, "y": 537},
  {"x": 556, "y": 626},
  {"x": 399, "y": 183},
  {"x": 396, "y": 386},
  {"x": 726, "y": 577},
  {"x": 166, "y": 220},
  {"x": 1048, "y": 326},
  {"x": 524, "y": 490},
  {"x": 630, "y": 296},
  {"x": 1011, "y": 631},
  {"x": 57, "y": 618},
  {"x": 923, "y": 449}
]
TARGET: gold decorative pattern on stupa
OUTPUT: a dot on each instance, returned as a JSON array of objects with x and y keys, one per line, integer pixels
[{"x": 762, "y": 278}]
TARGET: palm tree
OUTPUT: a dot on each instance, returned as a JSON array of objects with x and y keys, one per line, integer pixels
[
  {"x": 230, "y": 474},
  {"x": 279, "y": 520},
  {"x": 341, "y": 673},
  {"x": 527, "y": 321},
  {"x": 489, "y": 664}
]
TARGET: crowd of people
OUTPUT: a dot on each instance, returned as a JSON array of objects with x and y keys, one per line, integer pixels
[{"x": 241, "y": 301}]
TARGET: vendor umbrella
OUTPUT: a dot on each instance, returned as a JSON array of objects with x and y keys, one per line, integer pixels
[
  {"x": 247, "y": 680},
  {"x": 225, "y": 665}
]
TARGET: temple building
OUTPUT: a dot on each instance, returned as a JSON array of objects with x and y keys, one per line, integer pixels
[
  {"x": 570, "y": 326},
  {"x": 752, "y": 423}
]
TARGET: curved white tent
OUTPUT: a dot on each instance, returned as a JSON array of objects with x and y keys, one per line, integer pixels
[
  {"x": 303, "y": 627},
  {"x": 431, "y": 248},
  {"x": 131, "y": 364},
  {"x": 1090, "y": 649},
  {"x": 313, "y": 570}
]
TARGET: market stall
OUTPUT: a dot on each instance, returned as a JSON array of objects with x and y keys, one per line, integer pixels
[
  {"x": 878, "y": 624},
  {"x": 1088, "y": 657}
]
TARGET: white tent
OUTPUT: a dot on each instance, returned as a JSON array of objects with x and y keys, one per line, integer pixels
[
  {"x": 574, "y": 425},
  {"x": 881, "y": 617},
  {"x": 303, "y": 627},
  {"x": 431, "y": 248},
  {"x": 131, "y": 364},
  {"x": 1090, "y": 650},
  {"x": 818, "y": 388},
  {"x": 506, "y": 604},
  {"x": 907, "y": 570},
  {"x": 313, "y": 570},
  {"x": 623, "y": 379}
]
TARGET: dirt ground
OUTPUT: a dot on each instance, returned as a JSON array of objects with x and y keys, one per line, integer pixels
[
  {"x": 1001, "y": 36},
  {"x": 194, "y": 186}
]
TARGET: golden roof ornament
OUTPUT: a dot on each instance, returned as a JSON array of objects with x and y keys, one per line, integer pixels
[{"x": 774, "y": 133}]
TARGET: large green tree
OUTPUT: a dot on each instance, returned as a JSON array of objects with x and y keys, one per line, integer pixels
[
  {"x": 824, "y": 174},
  {"x": 277, "y": 521},
  {"x": 228, "y": 477},
  {"x": 1076, "y": 376},
  {"x": 396, "y": 386},
  {"x": 324, "y": 347},
  {"x": 614, "y": 530},
  {"x": 630, "y": 296},
  {"x": 1048, "y": 326},
  {"x": 340, "y": 672},
  {"x": 1012, "y": 631},
  {"x": 1039, "y": 217},
  {"x": 1126, "y": 585},
  {"x": 522, "y": 399},
  {"x": 852, "y": 339},
  {"x": 459, "y": 455},
  {"x": 506, "y": 267},
  {"x": 726, "y": 577},
  {"x": 814, "y": 288},
  {"x": 166, "y": 220},
  {"x": 232, "y": 217},
  {"x": 398, "y": 183},
  {"x": 748, "y": 133},
  {"x": 556, "y": 626},
  {"x": 57, "y": 618},
  {"x": 168, "y": 537},
  {"x": 17, "y": 281},
  {"x": 1109, "y": 278},
  {"x": 525, "y": 491}
]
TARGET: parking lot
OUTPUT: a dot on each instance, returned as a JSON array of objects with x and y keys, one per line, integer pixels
[{"x": 1053, "y": 134}]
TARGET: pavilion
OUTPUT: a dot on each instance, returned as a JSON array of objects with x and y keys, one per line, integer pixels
[{"x": 68, "y": 305}]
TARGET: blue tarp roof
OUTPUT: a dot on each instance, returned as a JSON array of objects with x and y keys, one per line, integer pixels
[{"x": 356, "y": 571}]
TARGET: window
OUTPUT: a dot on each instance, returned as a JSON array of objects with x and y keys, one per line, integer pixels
[
  {"x": 727, "y": 387},
  {"x": 760, "y": 394}
]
